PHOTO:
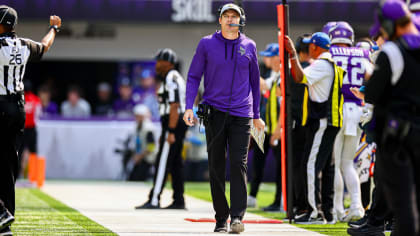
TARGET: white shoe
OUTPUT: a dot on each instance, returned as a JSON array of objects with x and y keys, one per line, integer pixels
[
  {"x": 251, "y": 202},
  {"x": 340, "y": 215},
  {"x": 353, "y": 214},
  {"x": 332, "y": 222}
]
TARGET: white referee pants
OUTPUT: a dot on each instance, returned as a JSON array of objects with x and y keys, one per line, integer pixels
[{"x": 345, "y": 147}]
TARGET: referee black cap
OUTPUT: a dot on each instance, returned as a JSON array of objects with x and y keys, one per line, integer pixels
[
  {"x": 8, "y": 16},
  {"x": 166, "y": 54}
]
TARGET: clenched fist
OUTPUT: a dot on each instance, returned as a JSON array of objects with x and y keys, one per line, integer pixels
[{"x": 55, "y": 20}]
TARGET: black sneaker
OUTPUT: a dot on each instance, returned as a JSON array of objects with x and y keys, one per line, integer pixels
[
  {"x": 6, "y": 232},
  {"x": 299, "y": 214},
  {"x": 236, "y": 226},
  {"x": 147, "y": 205},
  {"x": 221, "y": 226},
  {"x": 359, "y": 222},
  {"x": 367, "y": 230},
  {"x": 176, "y": 206},
  {"x": 306, "y": 219},
  {"x": 273, "y": 207},
  {"x": 389, "y": 226},
  {"x": 6, "y": 219}
]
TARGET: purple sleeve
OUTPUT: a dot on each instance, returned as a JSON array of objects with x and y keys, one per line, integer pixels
[
  {"x": 255, "y": 83},
  {"x": 194, "y": 74}
]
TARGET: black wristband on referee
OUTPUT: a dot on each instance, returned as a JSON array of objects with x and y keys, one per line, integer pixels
[
  {"x": 56, "y": 29},
  {"x": 171, "y": 130}
]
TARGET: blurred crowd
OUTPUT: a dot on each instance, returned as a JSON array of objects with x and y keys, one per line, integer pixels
[{"x": 115, "y": 100}]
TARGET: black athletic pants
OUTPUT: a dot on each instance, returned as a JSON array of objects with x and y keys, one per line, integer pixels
[
  {"x": 228, "y": 134},
  {"x": 398, "y": 164},
  {"x": 379, "y": 211},
  {"x": 319, "y": 144},
  {"x": 299, "y": 168},
  {"x": 259, "y": 165},
  {"x": 172, "y": 163},
  {"x": 12, "y": 120},
  {"x": 365, "y": 191}
]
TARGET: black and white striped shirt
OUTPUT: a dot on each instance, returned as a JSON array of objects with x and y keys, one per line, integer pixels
[
  {"x": 14, "y": 54},
  {"x": 172, "y": 90}
]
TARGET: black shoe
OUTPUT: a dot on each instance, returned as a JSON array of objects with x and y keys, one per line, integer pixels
[
  {"x": 359, "y": 222},
  {"x": 176, "y": 206},
  {"x": 6, "y": 219},
  {"x": 221, "y": 226},
  {"x": 6, "y": 232},
  {"x": 389, "y": 226},
  {"x": 367, "y": 230},
  {"x": 273, "y": 207},
  {"x": 147, "y": 205},
  {"x": 236, "y": 226},
  {"x": 306, "y": 219}
]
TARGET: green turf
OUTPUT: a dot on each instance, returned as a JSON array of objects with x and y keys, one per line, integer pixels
[
  {"x": 39, "y": 214},
  {"x": 265, "y": 197}
]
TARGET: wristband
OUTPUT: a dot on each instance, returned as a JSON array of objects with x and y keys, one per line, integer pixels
[
  {"x": 56, "y": 29},
  {"x": 171, "y": 130}
]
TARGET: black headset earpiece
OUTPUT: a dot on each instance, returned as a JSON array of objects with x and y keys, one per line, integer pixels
[
  {"x": 242, "y": 20},
  {"x": 387, "y": 24},
  {"x": 219, "y": 10}
]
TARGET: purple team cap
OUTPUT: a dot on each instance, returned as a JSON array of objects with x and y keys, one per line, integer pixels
[
  {"x": 390, "y": 10},
  {"x": 327, "y": 27},
  {"x": 414, "y": 5}
]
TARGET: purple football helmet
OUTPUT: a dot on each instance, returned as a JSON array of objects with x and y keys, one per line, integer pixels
[
  {"x": 328, "y": 26},
  {"x": 371, "y": 46},
  {"x": 342, "y": 32}
]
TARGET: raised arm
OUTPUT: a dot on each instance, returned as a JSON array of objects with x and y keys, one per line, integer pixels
[
  {"x": 48, "y": 40},
  {"x": 296, "y": 68}
]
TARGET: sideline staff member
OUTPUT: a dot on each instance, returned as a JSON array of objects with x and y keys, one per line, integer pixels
[
  {"x": 324, "y": 80},
  {"x": 298, "y": 130},
  {"x": 228, "y": 60},
  {"x": 395, "y": 92},
  {"x": 15, "y": 52}
]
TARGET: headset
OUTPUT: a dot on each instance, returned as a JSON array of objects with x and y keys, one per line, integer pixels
[
  {"x": 242, "y": 17},
  {"x": 387, "y": 24}
]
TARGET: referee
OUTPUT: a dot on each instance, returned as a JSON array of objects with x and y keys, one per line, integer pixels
[
  {"x": 171, "y": 95},
  {"x": 15, "y": 53}
]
